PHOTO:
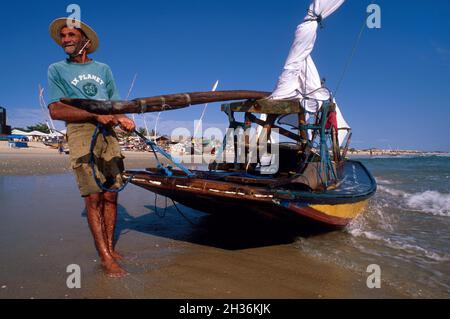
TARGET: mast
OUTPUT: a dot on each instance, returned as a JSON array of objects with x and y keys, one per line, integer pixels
[
  {"x": 43, "y": 106},
  {"x": 214, "y": 89},
  {"x": 129, "y": 93},
  {"x": 156, "y": 124}
]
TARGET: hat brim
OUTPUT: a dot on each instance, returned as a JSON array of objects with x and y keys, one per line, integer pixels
[{"x": 58, "y": 24}]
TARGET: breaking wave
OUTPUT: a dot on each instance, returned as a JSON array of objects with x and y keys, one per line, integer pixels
[
  {"x": 378, "y": 225},
  {"x": 431, "y": 202}
]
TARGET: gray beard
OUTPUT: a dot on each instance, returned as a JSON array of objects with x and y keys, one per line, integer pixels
[{"x": 76, "y": 52}]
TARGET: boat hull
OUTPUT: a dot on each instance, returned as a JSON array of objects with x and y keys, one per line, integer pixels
[{"x": 334, "y": 208}]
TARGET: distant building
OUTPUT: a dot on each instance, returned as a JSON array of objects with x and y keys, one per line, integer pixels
[{"x": 4, "y": 129}]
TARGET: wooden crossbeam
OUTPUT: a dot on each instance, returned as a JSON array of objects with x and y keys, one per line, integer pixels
[{"x": 265, "y": 106}]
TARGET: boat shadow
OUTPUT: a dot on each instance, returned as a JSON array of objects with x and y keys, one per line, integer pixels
[{"x": 226, "y": 232}]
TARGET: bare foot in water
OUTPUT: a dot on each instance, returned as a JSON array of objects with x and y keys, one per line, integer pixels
[{"x": 113, "y": 270}]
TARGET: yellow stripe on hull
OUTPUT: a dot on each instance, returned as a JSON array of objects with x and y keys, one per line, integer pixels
[{"x": 347, "y": 211}]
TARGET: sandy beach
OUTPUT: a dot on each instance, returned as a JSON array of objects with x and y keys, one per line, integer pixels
[
  {"x": 44, "y": 230},
  {"x": 39, "y": 159}
]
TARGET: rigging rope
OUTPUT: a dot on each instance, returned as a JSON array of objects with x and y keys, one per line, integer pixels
[
  {"x": 155, "y": 149},
  {"x": 92, "y": 162},
  {"x": 352, "y": 54},
  {"x": 181, "y": 213},
  {"x": 163, "y": 214},
  {"x": 100, "y": 129},
  {"x": 156, "y": 207}
]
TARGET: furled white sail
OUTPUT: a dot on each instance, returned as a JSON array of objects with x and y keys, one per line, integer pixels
[{"x": 300, "y": 78}]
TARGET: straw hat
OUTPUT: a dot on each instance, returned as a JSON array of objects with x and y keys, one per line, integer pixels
[{"x": 58, "y": 24}]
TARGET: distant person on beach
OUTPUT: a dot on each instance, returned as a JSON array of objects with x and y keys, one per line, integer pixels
[
  {"x": 60, "y": 147},
  {"x": 81, "y": 77}
]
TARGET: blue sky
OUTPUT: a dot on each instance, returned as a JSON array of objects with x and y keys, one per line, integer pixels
[{"x": 396, "y": 93}]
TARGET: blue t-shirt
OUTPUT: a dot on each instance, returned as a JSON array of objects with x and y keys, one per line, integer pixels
[{"x": 92, "y": 80}]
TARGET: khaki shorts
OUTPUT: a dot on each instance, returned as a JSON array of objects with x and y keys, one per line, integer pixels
[{"x": 108, "y": 158}]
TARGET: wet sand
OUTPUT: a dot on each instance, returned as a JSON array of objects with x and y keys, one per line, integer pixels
[{"x": 44, "y": 229}]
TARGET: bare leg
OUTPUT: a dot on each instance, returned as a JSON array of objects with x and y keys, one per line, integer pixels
[
  {"x": 95, "y": 220},
  {"x": 110, "y": 218},
  {"x": 108, "y": 221}
]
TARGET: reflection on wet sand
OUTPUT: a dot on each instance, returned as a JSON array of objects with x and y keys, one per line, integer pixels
[{"x": 43, "y": 230}]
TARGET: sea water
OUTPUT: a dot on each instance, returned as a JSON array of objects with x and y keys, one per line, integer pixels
[{"x": 405, "y": 229}]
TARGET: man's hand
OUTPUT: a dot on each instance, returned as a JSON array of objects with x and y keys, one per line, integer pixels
[
  {"x": 107, "y": 120},
  {"x": 126, "y": 124}
]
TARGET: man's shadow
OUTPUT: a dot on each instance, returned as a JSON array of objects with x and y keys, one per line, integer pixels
[{"x": 232, "y": 232}]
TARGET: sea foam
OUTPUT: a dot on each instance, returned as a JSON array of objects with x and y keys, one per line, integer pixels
[
  {"x": 431, "y": 202},
  {"x": 400, "y": 245},
  {"x": 392, "y": 191}
]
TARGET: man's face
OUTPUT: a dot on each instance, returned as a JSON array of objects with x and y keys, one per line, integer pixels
[{"x": 71, "y": 40}]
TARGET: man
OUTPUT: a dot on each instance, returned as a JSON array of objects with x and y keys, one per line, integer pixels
[{"x": 80, "y": 77}]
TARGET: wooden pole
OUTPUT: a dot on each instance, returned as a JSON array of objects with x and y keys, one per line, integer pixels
[{"x": 162, "y": 102}]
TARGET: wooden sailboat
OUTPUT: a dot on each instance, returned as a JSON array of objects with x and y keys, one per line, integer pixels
[
  {"x": 313, "y": 179},
  {"x": 317, "y": 183}
]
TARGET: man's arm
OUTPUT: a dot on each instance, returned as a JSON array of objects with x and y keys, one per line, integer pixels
[{"x": 71, "y": 114}]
